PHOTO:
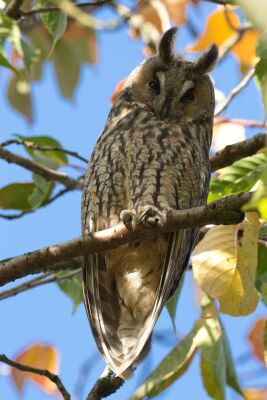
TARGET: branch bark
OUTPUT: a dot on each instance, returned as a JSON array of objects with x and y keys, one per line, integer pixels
[
  {"x": 235, "y": 152},
  {"x": 107, "y": 384},
  {"x": 226, "y": 210},
  {"x": 47, "y": 173},
  {"x": 44, "y": 372}
]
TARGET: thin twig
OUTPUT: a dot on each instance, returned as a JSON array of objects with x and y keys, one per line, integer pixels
[
  {"x": 47, "y": 173},
  {"x": 39, "y": 281},
  {"x": 232, "y": 41},
  {"x": 235, "y": 152},
  {"x": 31, "y": 145},
  {"x": 234, "y": 92},
  {"x": 220, "y": 2},
  {"x": 107, "y": 384},
  {"x": 162, "y": 12},
  {"x": 43, "y": 372},
  {"x": 226, "y": 210}
]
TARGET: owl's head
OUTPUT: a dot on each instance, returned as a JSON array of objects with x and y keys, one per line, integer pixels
[{"x": 174, "y": 88}]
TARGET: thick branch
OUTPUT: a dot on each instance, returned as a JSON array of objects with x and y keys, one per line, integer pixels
[
  {"x": 235, "y": 152},
  {"x": 223, "y": 211},
  {"x": 44, "y": 372},
  {"x": 47, "y": 173}
]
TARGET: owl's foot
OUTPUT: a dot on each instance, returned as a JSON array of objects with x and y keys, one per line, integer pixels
[
  {"x": 151, "y": 215},
  {"x": 128, "y": 217}
]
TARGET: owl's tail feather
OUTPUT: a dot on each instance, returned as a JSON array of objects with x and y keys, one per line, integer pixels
[{"x": 122, "y": 317}]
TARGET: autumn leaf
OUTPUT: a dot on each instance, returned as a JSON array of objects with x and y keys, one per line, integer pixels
[
  {"x": 255, "y": 338},
  {"x": 255, "y": 394},
  {"x": 225, "y": 262},
  {"x": 219, "y": 28},
  {"x": 37, "y": 356}
]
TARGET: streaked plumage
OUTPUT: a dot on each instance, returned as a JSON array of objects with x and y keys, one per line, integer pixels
[{"x": 153, "y": 151}]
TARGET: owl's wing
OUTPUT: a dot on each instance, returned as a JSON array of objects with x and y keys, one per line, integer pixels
[{"x": 103, "y": 303}]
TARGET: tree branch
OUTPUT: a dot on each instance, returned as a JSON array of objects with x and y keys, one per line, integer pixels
[
  {"x": 39, "y": 281},
  {"x": 226, "y": 210},
  {"x": 234, "y": 92},
  {"x": 235, "y": 152},
  {"x": 44, "y": 372},
  {"x": 47, "y": 173},
  {"x": 107, "y": 384},
  {"x": 30, "y": 145}
]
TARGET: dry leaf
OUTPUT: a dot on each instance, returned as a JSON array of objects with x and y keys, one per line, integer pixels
[
  {"x": 255, "y": 338},
  {"x": 37, "y": 356},
  {"x": 219, "y": 28},
  {"x": 224, "y": 265},
  {"x": 227, "y": 133}
]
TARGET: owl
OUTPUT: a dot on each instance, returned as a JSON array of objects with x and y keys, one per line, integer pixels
[{"x": 152, "y": 156}]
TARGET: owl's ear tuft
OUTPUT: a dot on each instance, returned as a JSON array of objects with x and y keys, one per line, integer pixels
[
  {"x": 206, "y": 62},
  {"x": 166, "y": 45}
]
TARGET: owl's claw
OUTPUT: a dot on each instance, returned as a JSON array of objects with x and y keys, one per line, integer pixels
[
  {"x": 128, "y": 218},
  {"x": 151, "y": 215}
]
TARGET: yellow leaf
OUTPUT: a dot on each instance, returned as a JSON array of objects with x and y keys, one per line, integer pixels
[
  {"x": 225, "y": 262},
  {"x": 219, "y": 28},
  {"x": 37, "y": 356},
  {"x": 227, "y": 133}
]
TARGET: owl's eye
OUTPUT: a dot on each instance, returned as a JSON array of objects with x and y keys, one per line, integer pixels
[
  {"x": 188, "y": 97},
  {"x": 155, "y": 86}
]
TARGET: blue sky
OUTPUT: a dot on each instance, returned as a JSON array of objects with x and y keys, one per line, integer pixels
[{"x": 45, "y": 314}]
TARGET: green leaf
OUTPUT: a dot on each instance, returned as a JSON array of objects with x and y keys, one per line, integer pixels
[
  {"x": 52, "y": 158},
  {"x": 261, "y": 80},
  {"x": 261, "y": 49},
  {"x": 9, "y": 30},
  {"x": 42, "y": 191},
  {"x": 171, "y": 304},
  {"x": 3, "y": 59},
  {"x": 55, "y": 22},
  {"x": 240, "y": 176},
  {"x": 213, "y": 364},
  {"x": 261, "y": 278},
  {"x": 172, "y": 366},
  {"x": 16, "y": 196},
  {"x": 256, "y": 12},
  {"x": 21, "y": 101},
  {"x": 72, "y": 288},
  {"x": 231, "y": 377}
]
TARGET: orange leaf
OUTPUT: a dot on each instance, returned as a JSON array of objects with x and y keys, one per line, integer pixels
[
  {"x": 255, "y": 338},
  {"x": 219, "y": 28},
  {"x": 117, "y": 90},
  {"x": 37, "y": 356},
  {"x": 255, "y": 394}
]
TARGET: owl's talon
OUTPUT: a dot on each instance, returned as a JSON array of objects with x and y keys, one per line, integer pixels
[
  {"x": 128, "y": 217},
  {"x": 150, "y": 216}
]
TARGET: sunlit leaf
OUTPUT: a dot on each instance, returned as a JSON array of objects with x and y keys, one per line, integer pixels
[
  {"x": 38, "y": 356},
  {"x": 224, "y": 265},
  {"x": 256, "y": 12},
  {"x": 171, "y": 304},
  {"x": 241, "y": 176},
  {"x": 42, "y": 191},
  {"x": 172, "y": 366},
  {"x": 261, "y": 79},
  {"x": 220, "y": 27},
  {"x": 58, "y": 157},
  {"x": 16, "y": 196},
  {"x": 255, "y": 338}
]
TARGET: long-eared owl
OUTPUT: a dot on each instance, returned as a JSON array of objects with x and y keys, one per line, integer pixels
[{"x": 152, "y": 156}]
